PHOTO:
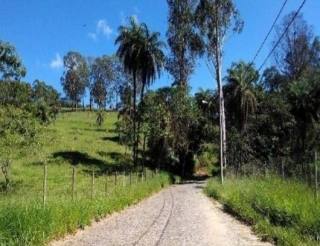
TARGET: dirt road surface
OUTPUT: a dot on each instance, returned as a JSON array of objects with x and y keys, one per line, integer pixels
[{"x": 179, "y": 215}]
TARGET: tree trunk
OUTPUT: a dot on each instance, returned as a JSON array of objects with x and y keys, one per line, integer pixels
[
  {"x": 182, "y": 159},
  {"x": 316, "y": 174},
  {"x": 139, "y": 120},
  {"x": 224, "y": 132},
  {"x": 218, "y": 67},
  {"x": 134, "y": 149},
  {"x": 282, "y": 168},
  {"x": 144, "y": 149},
  {"x": 91, "y": 102},
  {"x": 221, "y": 115}
]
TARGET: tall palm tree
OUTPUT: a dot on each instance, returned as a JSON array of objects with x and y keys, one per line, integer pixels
[
  {"x": 241, "y": 78},
  {"x": 141, "y": 54},
  {"x": 152, "y": 57}
]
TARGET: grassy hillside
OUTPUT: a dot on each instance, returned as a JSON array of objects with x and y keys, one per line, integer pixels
[
  {"x": 283, "y": 211},
  {"x": 74, "y": 140}
]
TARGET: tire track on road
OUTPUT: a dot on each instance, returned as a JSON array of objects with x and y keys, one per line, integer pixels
[
  {"x": 168, "y": 220},
  {"x": 152, "y": 224}
]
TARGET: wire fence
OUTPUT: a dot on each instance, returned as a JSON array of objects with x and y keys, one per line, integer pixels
[{"x": 74, "y": 185}]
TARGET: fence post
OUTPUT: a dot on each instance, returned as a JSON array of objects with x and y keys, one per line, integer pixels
[
  {"x": 124, "y": 179},
  {"x": 130, "y": 177},
  {"x": 316, "y": 173},
  {"x": 136, "y": 173},
  {"x": 106, "y": 184},
  {"x": 115, "y": 178},
  {"x": 45, "y": 174},
  {"x": 73, "y": 182},
  {"x": 92, "y": 184}
]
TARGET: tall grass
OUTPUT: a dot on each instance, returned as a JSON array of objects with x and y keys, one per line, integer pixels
[
  {"x": 30, "y": 223},
  {"x": 283, "y": 211}
]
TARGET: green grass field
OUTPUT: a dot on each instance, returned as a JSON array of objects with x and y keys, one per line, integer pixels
[
  {"x": 284, "y": 211},
  {"x": 73, "y": 140}
]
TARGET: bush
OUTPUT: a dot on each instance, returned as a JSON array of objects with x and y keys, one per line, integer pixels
[
  {"x": 100, "y": 118},
  {"x": 18, "y": 131},
  {"x": 15, "y": 93},
  {"x": 207, "y": 160}
]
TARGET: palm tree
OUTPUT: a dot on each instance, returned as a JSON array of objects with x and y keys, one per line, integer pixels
[
  {"x": 141, "y": 54},
  {"x": 241, "y": 78}
]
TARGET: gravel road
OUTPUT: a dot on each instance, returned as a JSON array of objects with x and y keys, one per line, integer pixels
[{"x": 179, "y": 215}]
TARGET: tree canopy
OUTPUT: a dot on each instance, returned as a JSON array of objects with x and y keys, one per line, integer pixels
[
  {"x": 75, "y": 78},
  {"x": 11, "y": 67}
]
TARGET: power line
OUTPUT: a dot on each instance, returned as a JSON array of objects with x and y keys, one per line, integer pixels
[
  {"x": 268, "y": 34},
  {"x": 282, "y": 35}
]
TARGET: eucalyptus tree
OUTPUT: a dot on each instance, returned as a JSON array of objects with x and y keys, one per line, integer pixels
[
  {"x": 241, "y": 79},
  {"x": 183, "y": 40},
  {"x": 102, "y": 77},
  {"x": 141, "y": 55},
  {"x": 90, "y": 60},
  {"x": 297, "y": 49},
  {"x": 42, "y": 91},
  {"x": 11, "y": 67},
  {"x": 75, "y": 78},
  {"x": 215, "y": 19}
]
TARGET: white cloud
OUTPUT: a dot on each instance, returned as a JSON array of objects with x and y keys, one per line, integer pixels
[
  {"x": 103, "y": 28},
  {"x": 93, "y": 36},
  {"x": 57, "y": 62}
]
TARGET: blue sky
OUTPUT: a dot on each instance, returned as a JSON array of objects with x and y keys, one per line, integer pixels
[{"x": 43, "y": 31}]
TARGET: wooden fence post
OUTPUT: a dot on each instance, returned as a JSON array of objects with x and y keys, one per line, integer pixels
[
  {"x": 115, "y": 178},
  {"x": 137, "y": 176},
  {"x": 316, "y": 173},
  {"x": 45, "y": 174},
  {"x": 106, "y": 184},
  {"x": 130, "y": 177},
  {"x": 92, "y": 185},
  {"x": 124, "y": 179},
  {"x": 73, "y": 182}
]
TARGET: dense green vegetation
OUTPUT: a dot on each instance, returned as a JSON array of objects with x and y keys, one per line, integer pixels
[{"x": 283, "y": 211}]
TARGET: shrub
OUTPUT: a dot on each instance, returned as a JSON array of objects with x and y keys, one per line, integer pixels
[{"x": 18, "y": 131}]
